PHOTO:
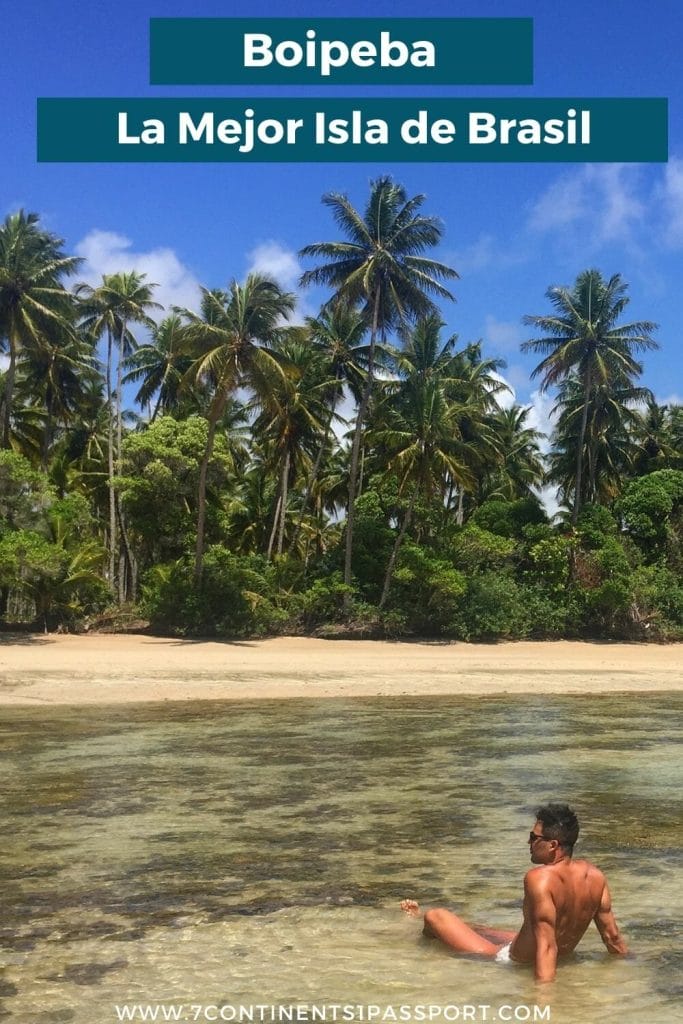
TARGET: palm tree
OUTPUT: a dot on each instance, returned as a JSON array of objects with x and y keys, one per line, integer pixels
[
  {"x": 658, "y": 447},
  {"x": 249, "y": 506},
  {"x": 674, "y": 422},
  {"x": 129, "y": 297},
  {"x": 55, "y": 372},
  {"x": 27, "y": 423},
  {"x": 337, "y": 333},
  {"x": 290, "y": 397},
  {"x": 121, "y": 299},
  {"x": 609, "y": 445},
  {"x": 474, "y": 385},
  {"x": 226, "y": 339},
  {"x": 520, "y": 470},
  {"x": 584, "y": 337},
  {"x": 381, "y": 268},
  {"x": 33, "y": 301},
  {"x": 418, "y": 429},
  {"x": 160, "y": 365}
]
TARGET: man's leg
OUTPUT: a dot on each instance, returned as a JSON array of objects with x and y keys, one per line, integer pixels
[
  {"x": 495, "y": 934},
  {"x": 453, "y": 932}
]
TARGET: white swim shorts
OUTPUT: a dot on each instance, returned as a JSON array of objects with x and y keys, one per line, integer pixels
[{"x": 503, "y": 954}]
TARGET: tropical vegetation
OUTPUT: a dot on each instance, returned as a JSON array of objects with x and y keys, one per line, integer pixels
[{"x": 239, "y": 470}]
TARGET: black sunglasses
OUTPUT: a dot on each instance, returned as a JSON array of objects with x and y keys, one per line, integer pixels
[{"x": 533, "y": 836}]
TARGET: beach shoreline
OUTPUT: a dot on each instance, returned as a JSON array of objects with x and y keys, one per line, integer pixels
[{"x": 99, "y": 669}]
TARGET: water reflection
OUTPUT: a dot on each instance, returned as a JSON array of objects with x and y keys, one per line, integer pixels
[{"x": 256, "y": 852}]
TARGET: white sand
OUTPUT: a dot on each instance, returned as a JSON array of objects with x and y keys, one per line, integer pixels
[{"x": 38, "y": 669}]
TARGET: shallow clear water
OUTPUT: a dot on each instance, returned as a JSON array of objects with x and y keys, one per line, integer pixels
[{"x": 215, "y": 854}]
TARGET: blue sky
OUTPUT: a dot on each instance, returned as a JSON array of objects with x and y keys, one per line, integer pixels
[{"x": 511, "y": 230}]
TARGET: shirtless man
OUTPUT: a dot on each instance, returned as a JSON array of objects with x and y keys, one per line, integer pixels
[{"x": 561, "y": 898}]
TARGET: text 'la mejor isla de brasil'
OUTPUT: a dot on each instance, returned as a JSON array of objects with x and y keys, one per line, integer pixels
[{"x": 357, "y": 129}]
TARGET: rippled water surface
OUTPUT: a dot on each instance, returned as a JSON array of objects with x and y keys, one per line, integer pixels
[{"x": 254, "y": 853}]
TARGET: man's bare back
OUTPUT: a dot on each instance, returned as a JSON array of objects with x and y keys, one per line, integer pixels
[{"x": 561, "y": 898}]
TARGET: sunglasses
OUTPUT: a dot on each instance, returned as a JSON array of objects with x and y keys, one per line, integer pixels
[{"x": 533, "y": 836}]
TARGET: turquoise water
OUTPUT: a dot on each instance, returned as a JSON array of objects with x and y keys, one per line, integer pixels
[{"x": 215, "y": 854}]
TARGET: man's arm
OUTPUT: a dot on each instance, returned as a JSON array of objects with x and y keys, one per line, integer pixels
[
  {"x": 540, "y": 908},
  {"x": 607, "y": 925}
]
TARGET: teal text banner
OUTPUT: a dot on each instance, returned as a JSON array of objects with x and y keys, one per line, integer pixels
[
  {"x": 314, "y": 130},
  {"x": 335, "y": 51}
]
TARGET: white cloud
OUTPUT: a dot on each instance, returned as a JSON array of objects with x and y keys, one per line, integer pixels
[
  {"x": 107, "y": 252},
  {"x": 616, "y": 186},
  {"x": 477, "y": 256},
  {"x": 505, "y": 398},
  {"x": 561, "y": 204},
  {"x": 599, "y": 199},
  {"x": 518, "y": 376},
  {"x": 672, "y": 399},
  {"x": 671, "y": 196},
  {"x": 502, "y": 335},
  {"x": 274, "y": 260},
  {"x": 549, "y": 499},
  {"x": 541, "y": 416},
  {"x": 540, "y": 406},
  {"x": 4, "y": 361},
  {"x": 483, "y": 253}
]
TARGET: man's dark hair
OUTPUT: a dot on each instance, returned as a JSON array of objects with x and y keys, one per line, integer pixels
[{"x": 559, "y": 822}]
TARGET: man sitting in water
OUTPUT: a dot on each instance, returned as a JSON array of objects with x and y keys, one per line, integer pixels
[{"x": 561, "y": 897}]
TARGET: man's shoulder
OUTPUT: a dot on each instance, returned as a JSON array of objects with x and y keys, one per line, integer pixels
[
  {"x": 543, "y": 875},
  {"x": 536, "y": 878},
  {"x": 590, "y": 869}
]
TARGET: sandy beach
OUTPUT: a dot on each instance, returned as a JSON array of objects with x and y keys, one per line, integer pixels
[{"x": 104, "y": 669}]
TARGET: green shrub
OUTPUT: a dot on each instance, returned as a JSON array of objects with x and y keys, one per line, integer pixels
[
  {"x": 551, "y": 616},
  {"x": 426, "y": 592},
  {"x": 474, "y": 549},
  {"x": 658, "y": 602},
  {"x": 595, "y": 524},
  {"x": 493, "y": 608},
  {"x": 323, "y": 601},
  {"x": 509, "y": 518},
  {"x": 549, "y": 563},
  {"x": 373, "y": 540},
  {"x": 647, "y": 506},
  {"x": 230, "y": 600}
]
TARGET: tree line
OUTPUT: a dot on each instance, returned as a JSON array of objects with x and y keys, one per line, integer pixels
[{"x": 359, "y": 472}]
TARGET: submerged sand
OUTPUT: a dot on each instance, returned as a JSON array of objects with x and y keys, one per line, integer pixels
[{"x": 37, "y": 670}]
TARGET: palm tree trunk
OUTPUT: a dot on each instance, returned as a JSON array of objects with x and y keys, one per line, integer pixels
[
  {"x": 110, "y": 475},
  {"x": 283, "y": 505},
  {"x": 122, "y": 576},
  {"x": 271, "y": 540},
  {"x": 47, "y": 435},
  {"x": 9, "y": 394},
  {"x": 314, "y": 476},
  {"x": 201, "y": 491},
  {"x": 355, "y": 449},
  {"x": 129, "y": 591},
  {"x": 156, "y": 408},
  {"x": 125, "y": 577},
  {"x": 397, "y": 545},
  {"x": 591, "y": 473},
  {"x": 361, "y": 472},
  {"x": 460, "y": 514},
  {"x": 449, "y": 499},
  {"x": 579, "y": 453},
  {"x": 119, "y": 405}
]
